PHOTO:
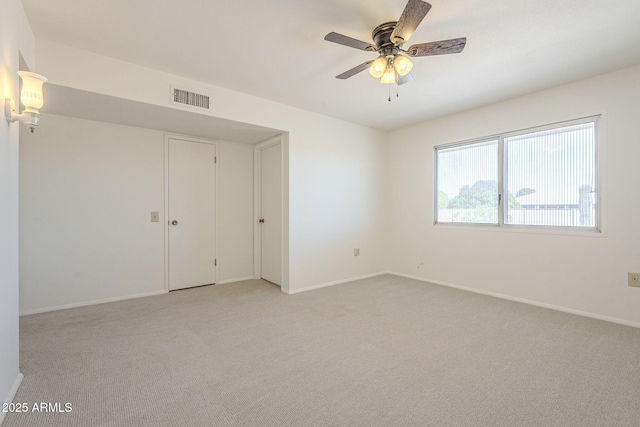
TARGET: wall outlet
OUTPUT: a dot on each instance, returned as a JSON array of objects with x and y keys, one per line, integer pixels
[
  {"x": 356, "y": 252},
  {"x": 155, "y": 216},
  {"x": 634, "y": 279}
]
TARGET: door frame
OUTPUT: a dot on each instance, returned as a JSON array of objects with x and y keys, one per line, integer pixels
[
  {"x": 281, "y": 140},
  {"x": 167, "y": 137}
]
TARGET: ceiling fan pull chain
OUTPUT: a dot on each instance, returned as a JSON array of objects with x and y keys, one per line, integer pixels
[{"x": 389, "y": 86}]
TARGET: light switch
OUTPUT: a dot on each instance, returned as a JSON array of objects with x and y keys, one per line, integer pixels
[{"x": 155, "y": 216}]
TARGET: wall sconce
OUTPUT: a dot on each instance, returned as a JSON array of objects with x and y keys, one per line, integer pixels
[{"x": 32, "y": 99}]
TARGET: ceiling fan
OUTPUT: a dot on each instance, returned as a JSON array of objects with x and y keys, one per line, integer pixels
[{"x": 392, "y": 66}]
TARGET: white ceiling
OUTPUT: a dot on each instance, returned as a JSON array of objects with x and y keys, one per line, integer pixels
[{"x": 275, "y": 49}]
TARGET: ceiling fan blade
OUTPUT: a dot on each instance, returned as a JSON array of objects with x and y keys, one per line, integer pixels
[
  {"x": 413, "y": 14},
  {"x": 441, "y": 47},
  {"x": 404, "y": 79},
  {"x": 354, "y": 71},
  {"x": 348, "y": 41}
]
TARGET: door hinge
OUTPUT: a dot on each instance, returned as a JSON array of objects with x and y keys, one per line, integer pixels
[
  {"x": 215, "y": 262},
  {"x": 215, "y": 159}
]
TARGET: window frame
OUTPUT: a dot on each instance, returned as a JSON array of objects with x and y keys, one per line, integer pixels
[{"x": 502, "y": 161}]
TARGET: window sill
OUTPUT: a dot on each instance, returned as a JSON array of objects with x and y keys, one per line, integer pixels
[{"x": 558, "y": 231}]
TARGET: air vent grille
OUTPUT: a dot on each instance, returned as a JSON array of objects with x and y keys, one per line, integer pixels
[{"x": 181, "y": 96}]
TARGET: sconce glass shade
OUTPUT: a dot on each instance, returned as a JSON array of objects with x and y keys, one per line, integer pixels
[
  {"x": 31, "y": 94},
  {"x": 403, "y": 65},
  {"x": 376, "y": 69},
  {"x": 389, "y": 75},
  {"x": 32, "y": 99}
]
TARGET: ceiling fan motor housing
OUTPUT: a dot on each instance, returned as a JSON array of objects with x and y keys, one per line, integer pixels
[{"x": 382, "y": 39}]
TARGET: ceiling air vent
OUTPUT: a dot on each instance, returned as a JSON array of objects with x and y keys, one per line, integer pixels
[{"x": 185, "y": 97}]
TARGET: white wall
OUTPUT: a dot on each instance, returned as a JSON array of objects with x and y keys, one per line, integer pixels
[
  {"x": 338, "y": 198},
  {"x": 87, "y": 189},
  {"x": 583, "y": 273},
  {"x": 336, "y": 169},
  {"x": 15, "y": 38}
]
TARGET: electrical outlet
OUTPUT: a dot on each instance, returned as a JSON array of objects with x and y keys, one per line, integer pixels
[
  {"x": 155, "y": 216},
  {"x": 634, "y": 279},
  {"x": 356, "y": 252}
]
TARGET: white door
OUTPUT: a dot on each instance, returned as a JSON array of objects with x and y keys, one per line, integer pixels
[
  {"x": 271, "y": 213},
  {"x": 191, "y": 215}
]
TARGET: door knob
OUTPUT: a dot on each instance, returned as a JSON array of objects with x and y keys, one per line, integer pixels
[
  {"x": 261, "y": 220},
  {"x": 174, "y": 222}
]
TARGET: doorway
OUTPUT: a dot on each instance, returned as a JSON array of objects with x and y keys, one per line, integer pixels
[{"x": 191, "y": 213}]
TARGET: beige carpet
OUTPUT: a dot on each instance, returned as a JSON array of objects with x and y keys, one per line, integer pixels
[{"x": 385, "y": 351}]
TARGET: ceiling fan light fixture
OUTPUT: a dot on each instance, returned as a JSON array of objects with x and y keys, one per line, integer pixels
[
  {"x": 377, "y": 67},
  {"x": 403, "y": 65},
  {"x": 389, "y": 75}
]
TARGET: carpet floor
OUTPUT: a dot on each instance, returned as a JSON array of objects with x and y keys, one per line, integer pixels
[{"x": 384, "y": 351}]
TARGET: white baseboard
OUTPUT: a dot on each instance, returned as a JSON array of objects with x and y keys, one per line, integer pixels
[
  {"x": 237, "y": 279},
  {"x": 12, "y": 393},
  {"x": 337, "y": 282},
  {"x": 525, "y": 301},
  {"x": 92, "y": 302}
]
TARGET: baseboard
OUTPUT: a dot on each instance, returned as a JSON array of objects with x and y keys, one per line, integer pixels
[
  {"x": 524, "y": 301},
  {"x": 337, "y": 282},
  {"x": 238, "y": 279},
  {"x": 92, "y": 302},
  {"x": 12, "y": 393}
]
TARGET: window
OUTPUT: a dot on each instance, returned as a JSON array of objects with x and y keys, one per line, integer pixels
[{"x": 539, "y": 177}]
